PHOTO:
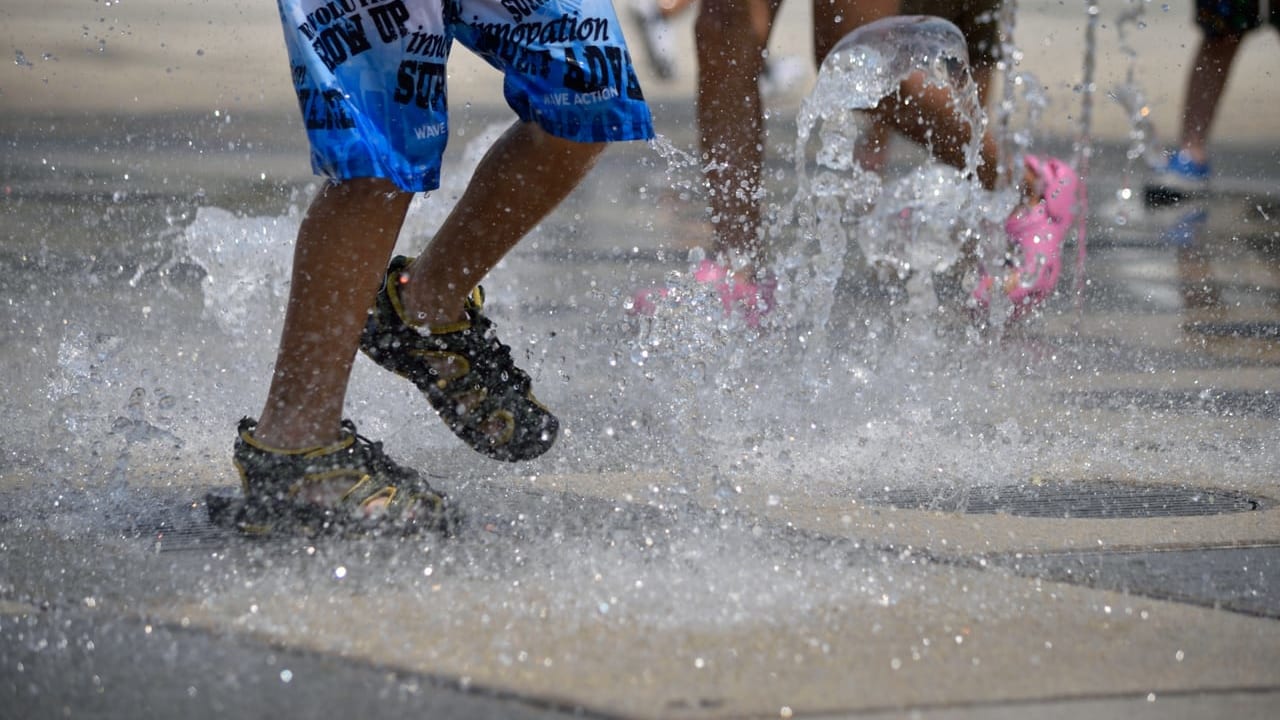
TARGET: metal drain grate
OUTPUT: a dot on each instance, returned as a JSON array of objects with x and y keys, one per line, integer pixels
[
  {"x": 195, "y": 535},
  {"x": 177, "y": 520},
  {"x": 1246, "y": 330},
  {"x": 1099, "y": 499},
  {"x": 1225, "y": 403},
  {"x": 168, "y": 518}
]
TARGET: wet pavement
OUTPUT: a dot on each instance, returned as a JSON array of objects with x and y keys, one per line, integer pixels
[{"x": 1082, "y": 519}]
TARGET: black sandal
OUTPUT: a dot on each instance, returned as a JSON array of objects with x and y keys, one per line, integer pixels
[
  {"x": 276, "y": 484},
  {"x": 467, "y": 375}
]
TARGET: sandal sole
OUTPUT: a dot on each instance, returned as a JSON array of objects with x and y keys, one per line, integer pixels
[{"x": 257, "y": 519}]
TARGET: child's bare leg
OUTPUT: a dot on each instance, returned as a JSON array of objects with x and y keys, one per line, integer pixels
[
  {"x": 833, "y": 19},
  {"x": 343, "y": 247},
  {"x": 932, "y": 118},
  {"x": 522, "y": 178},
  {"x": 872, "y": 151},
  {"x": 731, "y": 37}
]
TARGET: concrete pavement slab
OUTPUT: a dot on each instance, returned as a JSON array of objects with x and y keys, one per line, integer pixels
[{"x": 670, "y": 612}]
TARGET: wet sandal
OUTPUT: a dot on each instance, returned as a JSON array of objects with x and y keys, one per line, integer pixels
[
  {"x": 348, "y": 488},
  {"x": 467, "y": 375}
]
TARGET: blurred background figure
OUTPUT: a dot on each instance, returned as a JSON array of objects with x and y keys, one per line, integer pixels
[
  {"x": 656, "y": 20},
  {"x": 1223, "y": 25},
  {"x": 731, "y": 51}
]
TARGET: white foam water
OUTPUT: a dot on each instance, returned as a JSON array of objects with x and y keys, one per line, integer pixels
[
  {"x": 906, "y": 228},
  {"x": 853, "y": 355}
]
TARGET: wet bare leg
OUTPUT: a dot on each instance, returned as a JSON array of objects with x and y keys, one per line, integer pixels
[
  {"x": 945, "y": 130},
  {"x": 731, "y": 40},
  {"x": 833, "y": 19},
  {"x": 343, "y": 247},
  {"x": 929, "y": 116},
  {"x": 522, "y": 178}
]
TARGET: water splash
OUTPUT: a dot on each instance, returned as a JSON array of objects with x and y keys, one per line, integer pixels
[
  {"x": 1023, "y": 100},
  {"x": 246, "y": 263},
  {"x": 1084, "y": 144},
  {"x": 1132, "y": 99},
  {"x": 246, "y": 260},
  {"x": 845, "y": 221},
  {"x": 849, "y": 249},
  {"x": 871, "y": 62}
]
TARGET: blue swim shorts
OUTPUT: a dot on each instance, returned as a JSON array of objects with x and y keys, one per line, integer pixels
[{"x": 370, "y": 77}]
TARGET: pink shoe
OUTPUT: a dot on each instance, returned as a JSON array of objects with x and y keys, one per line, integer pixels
[
  {"x": 753, "y": 300},
  {"x": 1037, "y": 232}
]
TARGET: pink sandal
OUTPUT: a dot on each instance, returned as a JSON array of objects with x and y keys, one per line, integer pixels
[
  {"x": 1037, "y": 232},
  {"x": 753, "y": 299}
]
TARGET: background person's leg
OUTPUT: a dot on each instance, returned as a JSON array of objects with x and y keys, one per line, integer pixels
[
  {"x": 1210, "y": 69},
  {"x": 929, "y": 116},
  {"x": 731, "y": 120}
]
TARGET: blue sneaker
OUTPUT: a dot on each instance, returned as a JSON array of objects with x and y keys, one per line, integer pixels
[
  {"x": 1186, "y": 232},
  {"x": 1181, "y": 177}
]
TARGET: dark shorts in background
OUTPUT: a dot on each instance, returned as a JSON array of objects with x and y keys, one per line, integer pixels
[
  {"x": 979, "y": 20},
  {"x": 1221, "y": 18},
  {"x": 370, "y": 77}
]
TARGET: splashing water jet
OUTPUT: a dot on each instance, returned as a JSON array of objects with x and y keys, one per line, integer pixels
[{"x": 927, "y": 218}]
